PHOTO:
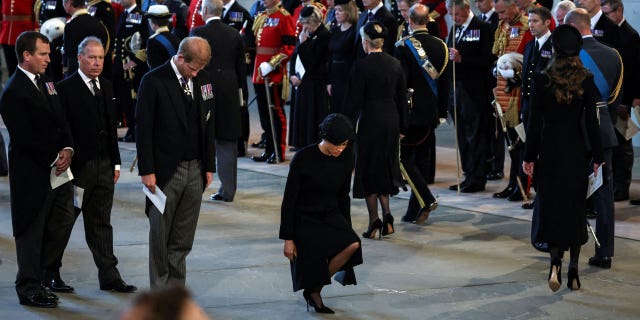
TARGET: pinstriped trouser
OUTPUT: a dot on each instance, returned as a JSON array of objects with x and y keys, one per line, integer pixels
[{"x": 171, "y": 234}]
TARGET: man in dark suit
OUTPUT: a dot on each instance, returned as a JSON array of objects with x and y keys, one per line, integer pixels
[
  {"x": 176, "y": 153},
  {"x": 375, "y": 10},
  {"x": 472, "y": 54},
  {"x": 89, "y": 105},
  {"x": 41, "y": 145},
  {"x": 606, "y": 66},
  {"x": 604, "y": 30},
  {"x": 488, "y": 13},
  {"x": 428, "y": 105},
  {"x": 630, "y": 53},
  {"x": 237, "y": 17},
  {"x": 102, "y": 10},
  {"x": 227, "y": 69},
  {"x": 80, "y": 26},
  {"x": 129, "y": 65}
]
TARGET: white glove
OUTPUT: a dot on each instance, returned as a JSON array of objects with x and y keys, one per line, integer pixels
[
  {"x": 265, "y": 68},
  {"x": 506, "y": 73}
]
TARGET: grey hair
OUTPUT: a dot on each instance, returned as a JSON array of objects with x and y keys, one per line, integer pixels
[{"x": 86, "y": 41}]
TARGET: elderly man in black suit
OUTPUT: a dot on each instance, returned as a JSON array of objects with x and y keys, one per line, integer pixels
[
  {"x": 176, "y": 153},
  {"x": 630, "y": 53},
  {"x": 227, "y": 69},
  {"x": 376, "y": 11},
  {"x": 473, "y": 58},
  {"x": 428, "y": 104},
  {"x": 89, "y": 104},
  {"x": 41, "y": 146},
  {"x": 606, "y": 66},
  {"x": 80, "y": 26}
]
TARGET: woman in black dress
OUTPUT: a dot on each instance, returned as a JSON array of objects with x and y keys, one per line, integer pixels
[
  {"x": 563, "y": 95},
  {"x": 316, "y": 222},
  {"x": 309, "y": 78},
  {"x": 342, "y": 51},
  {"x": 377, "y": 91}
]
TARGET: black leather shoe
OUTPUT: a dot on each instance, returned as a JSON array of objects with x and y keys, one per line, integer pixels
[
  {"x": 635, "y": 202},
  {"x": 504, "y": 193},
  {"x": 119, "y": 286},
  {"x": 218, "y": 197},
  {"x": 528, "y": 205},
  {"x": 56, "y": 284},
  {"x": 262, "y": 158},
  {"x": 455, "y": 186},
  {"x": 471, "y": 188},
  {"x": 273, "y": 160},
  {"x": 516, "y": 195},
  {"x": 38, "y": 300},
  {"x": 618, "y": 196},
  {"x": 600, "y": 262},
  {"x": 260, "y": 144},
  {"x": 495, "y": 175}
]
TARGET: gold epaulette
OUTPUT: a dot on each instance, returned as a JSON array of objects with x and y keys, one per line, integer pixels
[
  {"x": 319, "y": 5},
  {"x": 524, "y": 20},
  {"x": 276, "y": 59},
  {"x": 142, "y": 55},
  {"x": 284, "y": 12},
  {"x": 434, "y": 15}
]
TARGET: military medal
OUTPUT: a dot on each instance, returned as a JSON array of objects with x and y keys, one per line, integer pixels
[
  {"x": 235, "y": 16},
  {"x": 134, "y": 18},
  {"x": 51, "y": 88},
  {"x": 515, "y": 31},
  {"x": 207, "y": 91}
]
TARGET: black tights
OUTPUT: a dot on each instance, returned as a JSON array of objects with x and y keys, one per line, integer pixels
[
  {"x": 372, "y": 205},
  {"x": 556, "y": 255}
]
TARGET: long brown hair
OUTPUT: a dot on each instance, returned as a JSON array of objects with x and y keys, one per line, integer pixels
[{"x": 566, "y": 75}]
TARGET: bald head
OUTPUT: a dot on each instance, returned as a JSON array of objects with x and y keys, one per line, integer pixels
[
  {"x": 579, "y": 18},
  {"x": 418, "y": 16}
]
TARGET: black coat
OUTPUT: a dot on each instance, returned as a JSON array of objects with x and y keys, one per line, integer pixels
[
  {"x": 161, "y": 129},
  {"x": 157, "y": 53},
  {"x": 79, "y": 107},
  {"x": 38, "y": 131},
  {"x": 630, "y": 54},
  {"x": 227, "y": 69},
  {"x": 75, "y": 31},
  {"x": 388, "y": 21},
  {"x": 127, "y": 25},
  {"x": 427, "y": 107},
  {"x": 474, "y": 70},
  {"x": 606, "y": 31}
]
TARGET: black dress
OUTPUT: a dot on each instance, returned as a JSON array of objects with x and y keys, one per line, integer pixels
[
  {"x": 310, "y": 100},
  {"x": 342, "y": 51},
  {"x": 315, "y": 214},
  {"x": 557, "y": 142},
  {"x": 377, "y": 93}
]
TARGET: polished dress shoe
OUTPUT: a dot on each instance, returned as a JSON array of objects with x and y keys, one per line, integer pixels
[
  {"x": 528, "y": 205},
  {"x": 260, "y": 144},
  {"x": 600, "y": 262},
  {"x": 635, "y": 202},
  {"x": 274, "y": 160},
  {"x": 119, "y": 286},
  {"x": 471, "y": 188},
  {"x": 218, "y": 197},
  {"x": 56, "y": 284},
  {"x": 504, "y": 193},
  {"x": 262, "y": 158},
  {"x": 495, "y": 175},
  {"x": 39, "y": 300},
  {"x": 516, "y": 195},
  {"x": 455, "y": 186}
]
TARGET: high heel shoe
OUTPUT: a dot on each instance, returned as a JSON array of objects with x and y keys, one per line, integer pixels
[
  {"x": 555, "y": 280},
  {"x": 319, "y": 309},
  {"x": 387, "y": 225},
  {"x": 374, "y": 229},
  {"x": 573, "y": 281}
]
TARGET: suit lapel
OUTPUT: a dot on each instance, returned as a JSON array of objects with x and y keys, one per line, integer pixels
[
  {"x": 86, "y": 95},
  {"x": 173, "y": 86}
]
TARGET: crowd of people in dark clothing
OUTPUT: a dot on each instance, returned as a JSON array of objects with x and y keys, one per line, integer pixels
[{"x": 367, "y": 83}]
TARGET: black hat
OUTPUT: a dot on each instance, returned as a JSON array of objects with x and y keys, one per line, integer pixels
[
  {"x": 566, "y": 41},
  {"x": 336, "y": 128},
  {"x": 306, "y": 12},
  {"x": 375, "y": 30},
  {"x": 337, "y": 2}
]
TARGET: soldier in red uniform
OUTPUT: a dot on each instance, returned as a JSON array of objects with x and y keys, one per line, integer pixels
[
  {"x": 274, "y": 30},
  {"x": 437, "y": 12},
  {"x": 17, "y": 17},
  {"x": 194, "y": 18}
]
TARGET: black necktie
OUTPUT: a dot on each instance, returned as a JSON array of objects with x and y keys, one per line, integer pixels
[
  {"x": 39, "y": 83},
  {"x": 369, "y": 16},
  {"x": 96, "y": 91},
  {"x": 536, "y": 47},
  {"x": 483, "y": 17}
]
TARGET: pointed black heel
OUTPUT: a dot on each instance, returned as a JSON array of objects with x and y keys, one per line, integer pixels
[
  {"x": 374, "y": 229},
  {"x": 387, "y": 225},
  {"x": 555, "y": 280},
  {"x": 573, "y": 281},
  {"x": 319, "y": 309}
]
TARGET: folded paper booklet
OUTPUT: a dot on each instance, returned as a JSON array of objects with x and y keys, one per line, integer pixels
[
  {"x": 61, "y": 179},
  {"x": 627, "y": 128},
  {"x": 159, "y": 199},
  {"x": 594, "y": 182}
]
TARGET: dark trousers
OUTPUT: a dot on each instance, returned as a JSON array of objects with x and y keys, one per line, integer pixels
[
  {"x": 496, "y": 146},
  {"x": 417, "y": 177},
  {"x": 516, "y": 155},
  {"x": 471, "y": 128},
  {"x": 96, "y": 178},
  {"x": 125, "y": 102},
  {"x": 426, "y": 161},
  {"x": 244, "y": 121},
  {"x": 227, "y": 167},
  {"x": 602, "y": 203},
  {"x": 622, "y": 162},
  {"x": 40, "y": 247},
  {"x": 278, "y": 115}
]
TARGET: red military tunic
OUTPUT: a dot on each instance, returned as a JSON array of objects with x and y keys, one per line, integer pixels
[
  {"x": 438, "y": 11},
  {"x": 17, "y": 17},
  {"x": 195, "y": 19},
  {"x": 275, "y": 41}
]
